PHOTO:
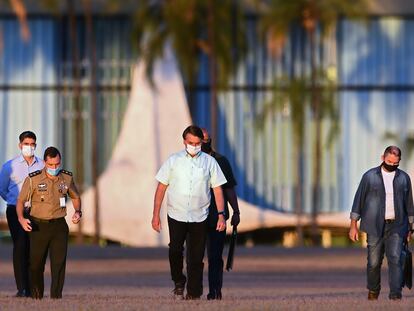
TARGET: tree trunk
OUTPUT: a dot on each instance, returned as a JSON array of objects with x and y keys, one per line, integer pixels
[
  {"x": 73, "y": 33},
  {"x": 213, "y": 75},
  {"x": 299, "y": 192},
  {"x": 94, "y": 116},
  {"x": 315, "y": 97}
]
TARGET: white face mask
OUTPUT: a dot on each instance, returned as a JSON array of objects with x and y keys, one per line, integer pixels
[
  {"x": 28, "y": 151},
  {"x": 193, "y": 150}
]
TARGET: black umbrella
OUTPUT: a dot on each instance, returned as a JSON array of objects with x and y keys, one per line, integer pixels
[{"x": 230, "y": 256}]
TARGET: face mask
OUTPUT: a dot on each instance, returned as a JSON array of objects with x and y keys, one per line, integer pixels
[
  {"x": 389, "y": 168},
  {"x": 28, "y": 151},
  {"x": 193, "y": 150},
  {"x": 53, "y": 171},
  {"x": 206, "y": 147}
]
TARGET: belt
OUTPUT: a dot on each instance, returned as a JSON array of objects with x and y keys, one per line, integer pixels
[
  {"x": 389, "y": 221},
  {"x": 46, "y": 220}
]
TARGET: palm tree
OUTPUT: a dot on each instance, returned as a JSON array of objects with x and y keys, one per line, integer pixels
[
  {"x": 192, "y": 27},
  {"x": 290, "y": 96},
  {"x": 277, "y": 18},
  {"x": 19, "y": 9},
  {"x": 91, "y": 41}
]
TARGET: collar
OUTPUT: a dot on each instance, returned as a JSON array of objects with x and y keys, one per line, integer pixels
[
  {"x": 44, "y": 175},
  {"x": 22, "y": 159},
  {"x": 379, "y": 168},
  {"x": 187, "y": 155}
]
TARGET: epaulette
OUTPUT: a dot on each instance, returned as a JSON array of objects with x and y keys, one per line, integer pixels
[
  {"x": 66, "y": 172},
  {"x": 35, "y": 173}
]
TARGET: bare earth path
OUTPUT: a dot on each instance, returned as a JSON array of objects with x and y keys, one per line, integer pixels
[{"x": 264, "y": 278}]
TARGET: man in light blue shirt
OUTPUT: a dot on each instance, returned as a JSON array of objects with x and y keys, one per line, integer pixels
[
  {"x": 189, "y": 176},
  {"x": 12, "y": 176}
]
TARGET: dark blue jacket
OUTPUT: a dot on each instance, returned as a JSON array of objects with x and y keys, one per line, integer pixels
[{"x": 369, "y": 203}]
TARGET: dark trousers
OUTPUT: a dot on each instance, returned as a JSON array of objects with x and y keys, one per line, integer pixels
[
  {"x": 390, "y": 244},
  {"x": 20, "y": 249},
  {"x": 194, "y": 233},
  {"x": 53, "y": 237},
  {"x": 215, "y": 246}
]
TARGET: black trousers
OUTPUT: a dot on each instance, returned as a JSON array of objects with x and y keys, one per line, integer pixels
[
  {"x": 49, "y": 237},
  {"x": 194, "y": 233},
  {"x": 20, "y": 249},
  {"x": 215, "y": 246}
]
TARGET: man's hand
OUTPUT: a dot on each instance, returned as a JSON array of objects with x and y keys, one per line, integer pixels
[
  {"x": 353, "y": 233},
  {"x": 76, "y": 217},
  {"x": 221, "y": 223},
  {"x": 156, "y": 223},
  {"x": 26, "y": 224},
  {"x": 235, "y": 219}
]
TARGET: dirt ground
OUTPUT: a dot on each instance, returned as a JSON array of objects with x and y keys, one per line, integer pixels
[{"x": 264, "y": 278}]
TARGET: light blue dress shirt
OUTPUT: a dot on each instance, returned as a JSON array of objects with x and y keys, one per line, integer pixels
[
  {"x": 12, "y": 175},
  {"x": 189, "y": 181}
]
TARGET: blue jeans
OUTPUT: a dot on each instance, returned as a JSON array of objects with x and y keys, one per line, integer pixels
[{"x": 391, "y": 245}]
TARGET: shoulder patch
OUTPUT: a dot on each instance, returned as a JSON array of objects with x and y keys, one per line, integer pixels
[
  {"x": 66, "y": 172},
  {"x": 35, "y": 173}
]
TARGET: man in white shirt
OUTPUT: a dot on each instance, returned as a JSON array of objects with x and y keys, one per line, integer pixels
[
  {"x": 12, "y": 175},
  {"x": 189, "y": 176}
]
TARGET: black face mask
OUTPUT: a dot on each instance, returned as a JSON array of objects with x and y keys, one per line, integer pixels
[
  {"x": 389, "y": 168},
  {"x": 206, "y": 147}
]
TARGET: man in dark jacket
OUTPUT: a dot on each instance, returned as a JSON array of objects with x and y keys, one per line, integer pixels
[
  {"x": 384, "y": 203},
  {"x": 215, "y": 239}
]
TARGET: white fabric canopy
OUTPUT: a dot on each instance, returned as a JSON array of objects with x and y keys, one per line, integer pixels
[{"x": 151, "y": 131}]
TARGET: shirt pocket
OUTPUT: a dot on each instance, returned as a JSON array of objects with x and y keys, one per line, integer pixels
[
  {"x": 39, "y": 195},
  {"x": 201, "y": 175}
]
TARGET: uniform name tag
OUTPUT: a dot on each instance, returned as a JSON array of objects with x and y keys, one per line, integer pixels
[{"x": 62, "y": 202}]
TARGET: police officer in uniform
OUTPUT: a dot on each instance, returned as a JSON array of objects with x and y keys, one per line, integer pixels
[{"x": 45, "y": 192}]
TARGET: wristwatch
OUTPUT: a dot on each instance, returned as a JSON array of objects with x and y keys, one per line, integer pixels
[{"x": 222, "y": 213}]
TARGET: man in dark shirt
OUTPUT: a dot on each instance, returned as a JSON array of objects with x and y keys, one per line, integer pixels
[
  {"x": 215, "y": 239},
  {"x": 384, "y": 203}
]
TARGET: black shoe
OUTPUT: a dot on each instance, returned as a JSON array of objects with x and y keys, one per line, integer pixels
[
  {"x": 191, "y": 297},
  {"x": 373, "y": 295},
  {"x": 178, "y": 291},
  {"x": 36, "y": 294},
  {"x": 23, "y": 293},
  {"x": 214, "y": 295},
  {"x": 395, "y": 296}
]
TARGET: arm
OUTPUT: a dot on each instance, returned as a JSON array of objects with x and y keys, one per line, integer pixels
[
  {"x": 4, "y": 181},
  {"x": 410, "y": 205},
  {"x": 410, "y": 209},
  {"x": 231, "y": 196},
  {"x": 76, "y": 201},
  {"x": 356, "y": 210},
  {"x": 353, "y": 230},
  {"x": 221, "y": 222},
  {"x": 25, "y": 223},
  {"x": 24, "y": 195},
  {"x": 158, "y": 198},
  {"x": 78, "y": 210}
]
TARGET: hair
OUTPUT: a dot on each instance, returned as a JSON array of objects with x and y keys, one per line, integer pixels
[
  {"x": 51, "y": 152},
  {"x": 27, "y": 134},
  {"x": 193, "y": 130},
  {"x": 394, "y": 150}
]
